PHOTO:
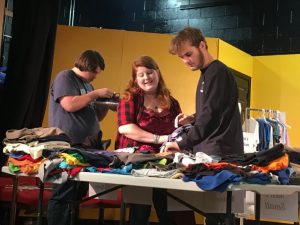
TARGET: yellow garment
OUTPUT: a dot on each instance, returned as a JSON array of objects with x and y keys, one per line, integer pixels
[
  {"x": 163, "y": 161},
  {"x": 71, "y": 160}
]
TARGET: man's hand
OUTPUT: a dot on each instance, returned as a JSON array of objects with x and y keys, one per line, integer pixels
[
  {"x": 103, "y": 93},
  {"x": 182, "y": 119},
  {"x": 170, "y": 147}
]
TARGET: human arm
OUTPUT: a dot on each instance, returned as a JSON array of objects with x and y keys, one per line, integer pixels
[
  {"x": 77, "y": 102},
  {"x": 134, "y": 132},
  {"x": 128, "y": 114}
]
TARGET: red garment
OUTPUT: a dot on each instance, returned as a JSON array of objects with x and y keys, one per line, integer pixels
[
  {"x": 73, "y": 172},
  {"x": 133, "y": 111},
  {"x": 28, "y": 157},
  {"x": 156, "y": 123}
]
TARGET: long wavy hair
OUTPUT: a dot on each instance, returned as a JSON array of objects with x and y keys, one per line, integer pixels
[{"x": 162, "y": 92}]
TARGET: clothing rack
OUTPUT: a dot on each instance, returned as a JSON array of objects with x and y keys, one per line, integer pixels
[
  {"x": 247, "y": 112},
  {"x": 274, "y": 113}
]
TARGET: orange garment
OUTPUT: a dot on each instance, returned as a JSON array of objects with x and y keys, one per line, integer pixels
[
  {"x": 220, "y": 165},
  {"x": 277, "y": 164},
  {"x": 26, "y": 166}
]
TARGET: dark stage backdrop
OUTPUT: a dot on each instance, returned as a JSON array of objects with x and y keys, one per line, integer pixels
[{"x": 24, "y": 95}]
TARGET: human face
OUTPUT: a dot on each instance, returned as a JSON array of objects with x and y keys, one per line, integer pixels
[
  {"x": 147, "y": 79},
  {"x": 192, "y": 56}
]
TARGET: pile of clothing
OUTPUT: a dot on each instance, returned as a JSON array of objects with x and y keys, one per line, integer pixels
[{"x": 48, "y": 153}]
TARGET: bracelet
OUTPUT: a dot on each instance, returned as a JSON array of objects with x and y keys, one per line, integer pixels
[{"x": 156, "y": 139}]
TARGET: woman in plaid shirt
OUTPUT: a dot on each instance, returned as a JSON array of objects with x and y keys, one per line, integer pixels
[
  {"x": 146, "y": 115},
  {"x": 147, "y": 111}
]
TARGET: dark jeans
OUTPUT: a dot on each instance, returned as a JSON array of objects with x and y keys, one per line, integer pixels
[
  {"x": 59, "y": 205},
  {"x": 183, "y": 217},
  {"x": 219, "y": 219},
  {"x": 139, "y": 214}
]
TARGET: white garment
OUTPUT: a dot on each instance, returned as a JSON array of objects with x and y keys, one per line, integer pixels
[
  {"x": 201, "y": 157},
  {"x": 251, "y": 135},
  {"x": 35, "y": 149},
  {"x": 183, "y": 158}
]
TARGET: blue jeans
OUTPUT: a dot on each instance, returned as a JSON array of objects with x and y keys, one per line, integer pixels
[
  {"x": 59, "y": 205},
  {"x": 219, "y": 219},
  {"x": 139, "y": 214}
]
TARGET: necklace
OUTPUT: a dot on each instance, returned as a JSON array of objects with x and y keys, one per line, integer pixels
[{"x": 152, "y": 102}]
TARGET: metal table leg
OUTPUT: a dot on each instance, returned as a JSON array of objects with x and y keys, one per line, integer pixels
[
  {"x": 13, "y": 211},
  {"x": 257, "y": 208},
  {"x": 40, "y": 204}
]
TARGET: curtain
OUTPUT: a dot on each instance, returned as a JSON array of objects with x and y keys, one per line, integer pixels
[{"x": 25, "y": 92}]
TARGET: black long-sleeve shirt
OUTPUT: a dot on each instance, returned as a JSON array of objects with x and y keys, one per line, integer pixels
[{"x": 217, "y": 129}]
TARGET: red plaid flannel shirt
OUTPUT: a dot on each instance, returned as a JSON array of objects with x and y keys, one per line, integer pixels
[{"x": 130, "y": 112}]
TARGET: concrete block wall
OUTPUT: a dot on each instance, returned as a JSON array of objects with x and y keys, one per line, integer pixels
[{"x": 258, "y": 27}]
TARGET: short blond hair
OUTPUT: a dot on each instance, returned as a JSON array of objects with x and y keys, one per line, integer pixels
[{"x": 190, "y": 34}]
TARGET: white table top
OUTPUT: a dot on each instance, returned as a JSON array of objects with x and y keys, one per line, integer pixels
[{"x": 174, "y": 184}]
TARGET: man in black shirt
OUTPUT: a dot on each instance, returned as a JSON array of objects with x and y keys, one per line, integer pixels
[{"x": 217, "y": 126}]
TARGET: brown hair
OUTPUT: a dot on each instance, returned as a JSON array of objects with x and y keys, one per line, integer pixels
[
  {"x": 89, "y": 60},
  {"x": 190, "y": 34},
  {"x": 163, "y": 93}
]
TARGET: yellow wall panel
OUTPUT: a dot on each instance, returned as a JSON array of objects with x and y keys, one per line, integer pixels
[
  {"x": 235, "y": 58},
  {"x": 180, "y": 80},
  {"x": 275, "y": 85},
  {"x": 119, "y": 49},
  {"x": 275, "y": 79}
]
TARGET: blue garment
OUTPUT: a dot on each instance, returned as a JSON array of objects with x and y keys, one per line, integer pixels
[
  {"x": 125, "y": 170},
  {"x": 91, "y": 169},
  {"x": 283, "y": 175},
  {"x": 264, "y": 134},
  {"x": 64, "y": 165},
  {"x": 259, "y": 178},
  {"x": 218, "y": 182}
]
